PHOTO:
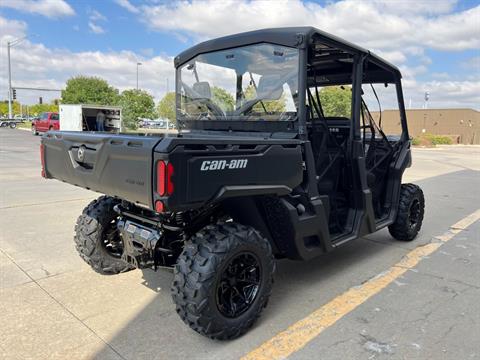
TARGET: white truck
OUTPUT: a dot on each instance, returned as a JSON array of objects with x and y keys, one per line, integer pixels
[{"x": 81, "y": 117}]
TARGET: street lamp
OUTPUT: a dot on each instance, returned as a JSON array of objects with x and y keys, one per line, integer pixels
[
  {"x": 138, "y": 64},
  {"x": 11, "y": 44}
]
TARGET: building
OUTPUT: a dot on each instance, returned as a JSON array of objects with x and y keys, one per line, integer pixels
[{"x": 462, "y": 125}]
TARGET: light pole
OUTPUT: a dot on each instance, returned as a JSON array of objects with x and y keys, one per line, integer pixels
[
  {"x": 427, "y": 97},
  {"x": 138, "y": 64},
  {"x": 11, "y": 44}
]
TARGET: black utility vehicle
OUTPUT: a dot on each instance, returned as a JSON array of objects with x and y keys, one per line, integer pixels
[{"x": 259, "y": 170}]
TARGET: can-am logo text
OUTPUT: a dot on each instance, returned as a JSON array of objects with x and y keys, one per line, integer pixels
[{"x": 224, "y": 164}]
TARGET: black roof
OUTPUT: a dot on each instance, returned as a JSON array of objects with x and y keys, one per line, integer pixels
[{"x": 287, "y": 36}]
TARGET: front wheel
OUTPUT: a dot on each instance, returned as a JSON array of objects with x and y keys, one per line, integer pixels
[
  {"x": 97, "y": 239},
  {"x": 411, "y": 209},
  {"x": 34, "y": 131},
  {"x": 223, "y": 279}
]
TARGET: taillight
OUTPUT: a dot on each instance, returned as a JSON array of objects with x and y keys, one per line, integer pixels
[
  {"x": 159, "y": 207},
  {"x": 169, "y": 178},
  {"x": 161, "y": 178},
  {"x": 42, "y": 159},
  {"x": 164, "y": 184}
]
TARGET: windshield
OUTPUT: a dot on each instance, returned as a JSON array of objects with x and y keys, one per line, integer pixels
[{"x": 255, "y": 82}]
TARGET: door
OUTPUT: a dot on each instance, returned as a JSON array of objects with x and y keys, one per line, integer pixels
[
  {"x": 53, "y": 121},
  {"x": 42, "y": 122}
]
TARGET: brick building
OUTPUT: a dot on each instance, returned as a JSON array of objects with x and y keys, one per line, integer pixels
[{"x": 463, "y": 125}]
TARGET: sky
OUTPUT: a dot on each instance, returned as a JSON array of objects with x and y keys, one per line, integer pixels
[{"x": 435, "y": 43}]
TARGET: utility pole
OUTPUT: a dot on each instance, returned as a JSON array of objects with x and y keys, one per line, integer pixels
[
  {"x": 9, "y": 83},
  {"x": 138, "y": 64},
  {"x": 11, "y": 44}
]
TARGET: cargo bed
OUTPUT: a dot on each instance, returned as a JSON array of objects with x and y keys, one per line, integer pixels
[{"x": 115, "y": 165}]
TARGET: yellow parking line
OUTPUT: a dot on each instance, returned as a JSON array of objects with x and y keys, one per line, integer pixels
[{"x": 299, "y": 334}]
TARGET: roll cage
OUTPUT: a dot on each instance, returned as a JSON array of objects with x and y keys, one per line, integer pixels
[{"x": 324, "y": 59}]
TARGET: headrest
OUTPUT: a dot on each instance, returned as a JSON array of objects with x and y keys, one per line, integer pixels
[
  {"x": 270, "y": 87},
  {"x": 201, "y": 90}
]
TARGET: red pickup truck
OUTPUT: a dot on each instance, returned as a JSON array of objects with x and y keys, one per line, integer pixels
[{"x": 45, "y": 122}]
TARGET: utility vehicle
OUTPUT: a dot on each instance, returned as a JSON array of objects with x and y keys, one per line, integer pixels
[{"x": 258, "y": 171}]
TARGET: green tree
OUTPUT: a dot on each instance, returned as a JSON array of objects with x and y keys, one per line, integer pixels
[
  {"x": 89, "y": 90},
  {"x": 223, "y": 99},
  {"x": 35, "y": 109},
  {"x": 4, "y": 108},
  {"x": 39, "y": 108},
  {"x": 166, "y": 107},
  {"x": 274, "y": 106},
  {"x": 136, "y": 104},
  {"x": 336, "y": 101}
]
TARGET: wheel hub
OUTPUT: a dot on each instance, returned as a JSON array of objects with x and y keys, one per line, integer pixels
[
  {"x": 238, "y": 285},
  {"x": 414, "y": 213}
]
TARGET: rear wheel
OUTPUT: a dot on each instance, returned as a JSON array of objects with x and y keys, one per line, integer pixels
[
  {"x": 223, "y": 280},
  {"x": 411, "y": 209},
  {"x": 97, "y": 238},
  {"x": 13, "y": 125}
]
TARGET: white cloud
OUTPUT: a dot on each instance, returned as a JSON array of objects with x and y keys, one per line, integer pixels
[
  {"x": 446, "y": 94},
  {"x": 376, "y": 24},
  {"x": 12, "y": 29},
  {"x": 472, "y": 64},
  {"x": 400, "y": 31},
  {"x": 48, "y": 8},
  {"x": 128, "y": 6},
  {"x": 440, "y": 76},
  {"x": 455, "y": 32},
  {"x": 94, "y": 17},
  {"x": 96, "y": 29},
  {"x": 395, "y": 56},
  {"x": 401, "y": 34},
  {"x": 403, "y": 7},
  {"x": 35, "y": 65},
  {"x": 147, "y": 52}
]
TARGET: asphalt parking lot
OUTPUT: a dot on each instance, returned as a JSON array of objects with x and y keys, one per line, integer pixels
[{"x": 52, "y": 306}]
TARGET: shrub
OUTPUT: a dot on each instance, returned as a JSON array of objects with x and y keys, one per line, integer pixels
[
  {"x": 416, "y": 141},
  {"x": 431, "y": 140},
  {"x": 439, "y": 139}
]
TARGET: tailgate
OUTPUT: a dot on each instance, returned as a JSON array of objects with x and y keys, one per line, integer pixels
[{"x": 116, "y": 165}]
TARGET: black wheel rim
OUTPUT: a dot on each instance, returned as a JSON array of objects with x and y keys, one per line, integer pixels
[
  {"x": 112, "y": 241},
  {"x": 238, "y": 286},
  {"x": 414, "y": 216}
]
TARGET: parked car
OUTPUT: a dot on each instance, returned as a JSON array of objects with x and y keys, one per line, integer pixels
[{"x": 45, "y": 122}]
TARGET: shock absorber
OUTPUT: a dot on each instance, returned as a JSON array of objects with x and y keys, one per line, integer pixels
[{"x": 179, "y": 219}]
